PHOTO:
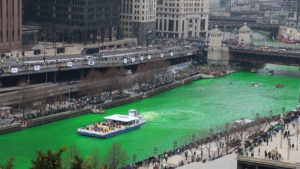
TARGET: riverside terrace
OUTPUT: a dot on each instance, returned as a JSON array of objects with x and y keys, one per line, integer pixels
[{"x": 72, "y": 62}]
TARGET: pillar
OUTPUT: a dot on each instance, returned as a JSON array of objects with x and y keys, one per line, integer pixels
[
  {"x": 54, "y": 77},
  {"x": 28, "y": 79},
  {"x": 81, "y": 73}
]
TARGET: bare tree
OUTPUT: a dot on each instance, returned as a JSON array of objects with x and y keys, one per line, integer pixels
[
  {"x": 115, "y": 157},
  {"x": 93, "y": 83}
]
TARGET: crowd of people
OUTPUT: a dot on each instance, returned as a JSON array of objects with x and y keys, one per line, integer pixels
[
  {"x": 195, "y": 151},
  {"x": 78, "y": 103}
]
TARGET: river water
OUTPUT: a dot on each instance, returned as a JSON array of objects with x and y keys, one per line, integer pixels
[{"x": 172, "y": 115}]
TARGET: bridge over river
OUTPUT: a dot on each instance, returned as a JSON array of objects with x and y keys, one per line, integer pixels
[{"x": 256, "y": 54}]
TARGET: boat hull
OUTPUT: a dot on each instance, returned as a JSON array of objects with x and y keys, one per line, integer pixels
[{"x": 110, "y": 134}]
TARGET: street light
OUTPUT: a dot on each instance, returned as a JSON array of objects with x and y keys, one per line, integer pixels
[
  {"x": 133, "y": 158},
  {"x": 155, "y": 150},
  {"x": 70, "y": 90},
  {"x": 175, "y": 144},
  {"x": 289, "y": 147},
  {"x": 281, "y": 133},
  {"x": 193, "y": 138},
  {"x": 297, "y": 132}
]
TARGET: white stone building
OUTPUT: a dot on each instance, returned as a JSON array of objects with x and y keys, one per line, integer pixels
[
  {"x": 245, "y": 37},
  {"x": 182, "y": 18},
  {"x": 217, "y": 54},
  {"x": 138, "y": 18}
]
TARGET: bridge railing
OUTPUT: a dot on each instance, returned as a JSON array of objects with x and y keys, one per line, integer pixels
[
  {"x": 269, "y": 50},
  {"x": 99, "y": 61}
]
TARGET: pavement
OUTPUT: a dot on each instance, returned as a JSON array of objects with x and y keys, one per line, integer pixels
[
  {"x": 226, "y": 162},
  {"x": 294, "y": 154},
  {"x": 230, "y": 161}
]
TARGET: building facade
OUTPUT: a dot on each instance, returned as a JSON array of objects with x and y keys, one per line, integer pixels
[
  {"x": 138, "y": 18},
  {"x": 76, "y": 20},
  {"x": 10, "y": 25},
  {"x": 182, "y": 18},
  {"x": 292, "y": 9}
]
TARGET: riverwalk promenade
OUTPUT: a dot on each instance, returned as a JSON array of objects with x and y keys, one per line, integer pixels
[{"x": 277, "y": 148}]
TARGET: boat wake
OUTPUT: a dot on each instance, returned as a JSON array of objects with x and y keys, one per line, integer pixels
[{"x": 150, "y": 115}]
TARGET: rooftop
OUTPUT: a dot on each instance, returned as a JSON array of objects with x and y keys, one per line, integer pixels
[{"x": 121, "y": 118}]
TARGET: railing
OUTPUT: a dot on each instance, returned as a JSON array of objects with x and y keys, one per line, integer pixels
[
  {"x": 273, "y": 163},
  {"x": 98, "y": 61},
  {"x": 272, "y": 51}
]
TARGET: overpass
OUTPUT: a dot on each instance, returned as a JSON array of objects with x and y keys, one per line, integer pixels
[
  {"x": 15, "y": 95},
  {"x": 38, "y": 65},
  {"x": 271, "y": 55}
]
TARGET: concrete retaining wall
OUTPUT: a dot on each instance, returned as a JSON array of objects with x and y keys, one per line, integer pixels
[{"x": 70, "y": 114}]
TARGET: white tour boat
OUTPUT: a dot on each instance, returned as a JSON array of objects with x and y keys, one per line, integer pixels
[{"x": 114, "y": 125}]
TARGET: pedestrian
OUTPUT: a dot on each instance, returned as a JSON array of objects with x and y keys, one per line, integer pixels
[
  {"x": 266, "y": 154},
  {"x": 259, "y": 151},
  {"x": 166, "y": 157},
  {"x": 186, "y": 155}
]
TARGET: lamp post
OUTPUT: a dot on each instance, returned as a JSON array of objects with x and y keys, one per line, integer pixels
[
  {"x": 155, "y": 150},
  {"x": 174, "y": 144},
  {"x": 289, "y": 147},
  {"x": 297, "y": 132},
  {"x": 70, "y": 90},
  {"x": 193, "y": 138},
  {"x": 133, "y": 158},
  {"x": 281, "y": 139}
]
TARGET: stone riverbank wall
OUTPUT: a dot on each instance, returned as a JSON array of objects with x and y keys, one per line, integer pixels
[{"x": 70, "y": 114}]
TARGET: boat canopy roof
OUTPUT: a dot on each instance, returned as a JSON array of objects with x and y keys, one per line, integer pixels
[{"x": 121, "y": 118}]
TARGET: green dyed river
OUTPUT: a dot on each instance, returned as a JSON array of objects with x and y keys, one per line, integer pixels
[{"x": 172, "y": 115}]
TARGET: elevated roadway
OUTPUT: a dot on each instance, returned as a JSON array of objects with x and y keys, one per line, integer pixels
[
  {"x": 34, "y": 65},
  {"x": 271, "y": 55},
  {"x": 19, "y": 94}
]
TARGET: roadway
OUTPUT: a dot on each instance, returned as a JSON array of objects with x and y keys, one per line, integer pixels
[{"x": 107, "y": 54}]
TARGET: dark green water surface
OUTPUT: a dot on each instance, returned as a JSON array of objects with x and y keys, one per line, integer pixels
[{"x": 172, "y": 115}]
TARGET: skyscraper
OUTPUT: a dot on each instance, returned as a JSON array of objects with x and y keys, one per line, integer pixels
[
  {"x": 75, "y": 20},
  {"x": 10, "y": 25}
]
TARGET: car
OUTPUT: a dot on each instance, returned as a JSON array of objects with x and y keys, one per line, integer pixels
[
  {"x": 139, "y": 47},
  {"x": 264, "y": 47},
  {"x": 72, "y": 82},
  {"x": 187, "y": 46}
]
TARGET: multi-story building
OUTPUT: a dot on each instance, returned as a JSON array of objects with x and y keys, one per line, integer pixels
[
  {"x": 292, "y": 8},
  {"x": 138, "y": 18},
  {"x": 76, "y": 20},
  {"x": 182, "y": 18},
  {"x": 10, "y": 25}
]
